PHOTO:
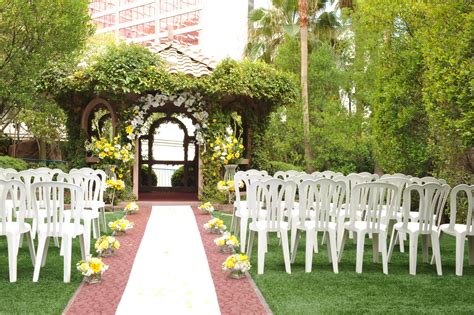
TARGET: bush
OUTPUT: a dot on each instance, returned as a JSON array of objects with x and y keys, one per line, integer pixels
[
  {"x": 10, "y": 162},
  {"x": 276, "y": 166},
  {"x": 145, "y": 180},
  {"x": 177, "y": 178}
]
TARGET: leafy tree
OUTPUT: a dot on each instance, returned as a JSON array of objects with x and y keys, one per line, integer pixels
[{"x": 33, "y": 33}]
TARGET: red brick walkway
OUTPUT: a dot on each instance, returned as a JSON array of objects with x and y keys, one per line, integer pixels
[{"x": 234, "y": 296}]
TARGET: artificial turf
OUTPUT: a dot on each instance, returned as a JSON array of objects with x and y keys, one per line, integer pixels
[
  {"x": 49, "y": 295},
  {"x": 323, "y": 292}
]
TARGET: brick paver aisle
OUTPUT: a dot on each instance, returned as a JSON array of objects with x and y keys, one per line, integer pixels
[
  {"x": 104, "y": 298},
  {"x": 235, "y": 297}
]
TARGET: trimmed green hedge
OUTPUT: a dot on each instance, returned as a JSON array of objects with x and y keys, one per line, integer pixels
[
  {"x": 11, "y": 162},
  {"x": 276, "y": 166}
]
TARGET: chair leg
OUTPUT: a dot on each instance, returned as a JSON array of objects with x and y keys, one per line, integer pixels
[
  {"x": 413, "y": 252},
  {"x": 360, "y": 251},
  {"x": 425, "y": 247},
  {"x": 340, "y": 230},
  {"x": 286, "y": 250},
  {"x": 341, "y": 245},
  {"x": 295, "y": 245},
  {"x": 309, "y": 250},
  {"x": 56, "y": 242},
  {"x": 383, "y": 248},
  {"x": 437, "y": 253},
  {"x": 315, "y": 247},
  {"x": 96, "y": 227},
  {"x": 440, "y": 236},
  {"x": 470, "y": 244},
  {"x": 243, "y": 233},
  {"x": 45, "y": 253},
  {"x": 20, "y": 241},
  {"x": 375, "y": 248},
  {"x": 12, "y": 241},
  {"x": 39, "y": 256},
  {"x": 460, "y": 239},
  {"x": 402, "y": 242},
  {"x": 83, "y": 247},
  {"x": 250, "y": 243},
  {"x": 67, "y": 258},
  {"x": 31, "y": 247},
  {"x": 393, "y": 241},
  {"x": 262, "y": 239},
  {"x": 87, "y": 236},
  {"x": 293, "y": 233},
  {"x": 333, "y": 251},
  {"x": 104, "y": 220},
  {"x": 95, "y": 230}
]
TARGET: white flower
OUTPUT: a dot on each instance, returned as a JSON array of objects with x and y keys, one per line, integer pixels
[{"x": 229, "y": 131}]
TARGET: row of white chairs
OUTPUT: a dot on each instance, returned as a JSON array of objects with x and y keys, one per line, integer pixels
[
  {"x": 33, "y": 194},
  {"x": 373, "y": 209}
]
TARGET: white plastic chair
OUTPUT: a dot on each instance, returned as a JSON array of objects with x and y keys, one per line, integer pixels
[
  {"x": 240, "y": 219},
  {"x": 276, "y": 195},
  {"x": 414, "y": 215},
  {"x": 373, "y": 197},
  {"x": 331, "y": 174},
  {"x": 317, "y": 199},
  {"x": 100, "y": 203},
  {"x": 461, "y": 231},
  {"x": 431, "y": 196},
  {"x": 90, "y": 185},
  {"x": 5, "y": 171},
  {"x": 373, "y": 176},
  {"x": 13, "y": 228},
  {"x": 58, "y": 224},
  {"x": 29, "y": 177}
]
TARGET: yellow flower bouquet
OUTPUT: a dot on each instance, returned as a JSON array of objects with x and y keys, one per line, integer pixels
[
  {"x": 215, "y": 226},
  {"x": 116, "y": 184},
  {"x": 120, "y": 226},
  {"x": 206, "y": 208},
  {"x": 106, "y": 245},
  {"x": 238, "y": 264},
  {"x": 227, "y": 243},
  {"x": 131, "y": 208},
  {"x": 92, "y": 269}
]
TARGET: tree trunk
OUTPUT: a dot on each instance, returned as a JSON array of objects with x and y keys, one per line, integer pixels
[
  {"x": 303, "y": 11},
  {"x": 42, "y": 149}
]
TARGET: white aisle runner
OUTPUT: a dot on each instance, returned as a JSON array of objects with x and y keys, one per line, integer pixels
[{"x": 170, "y": 274}]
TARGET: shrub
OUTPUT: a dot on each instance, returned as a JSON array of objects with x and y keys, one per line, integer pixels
[
  {"x": 276, "y": 166},
  {"x": 10, "y": 162},
  {"x": 177, "y": 178},
  {"x": 145, "y": 179}
]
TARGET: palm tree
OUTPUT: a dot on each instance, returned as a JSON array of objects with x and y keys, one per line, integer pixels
[{"x": 269, "y": 27}]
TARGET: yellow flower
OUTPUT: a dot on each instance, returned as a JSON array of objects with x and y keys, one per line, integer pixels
[
  {"x": 95, "y": 266},
  {"x": 237, "y": 155},
  {"x": 241, "y": 146},
  {"x": 129, "y": 129},
  {"x": 116, "y": 245}
]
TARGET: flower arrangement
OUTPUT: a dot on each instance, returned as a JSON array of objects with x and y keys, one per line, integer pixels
[
  {"x": 227, "y": 243},
  {"x": 92, "y": 269},
  {"x": 228, "y": 186},
  {"x": 115, "y": 184},
  {"x": 227, "y": 147},
  {"x": 106, "y": 245},
  {"x": 238, "y": 264},
  {"x": 109, "y": 152},
  {"x": 215, "y": 226},
  {"x": 131, "y": 208},
  {"x": 121, "y": 225},
  {"x": 206, "y": 208}
]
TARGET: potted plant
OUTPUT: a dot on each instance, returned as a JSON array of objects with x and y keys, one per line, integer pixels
[
  {"x": 106, "y": 246},
  {"x": 227, "y": 243},
  {"x": 237, "y": 264},
  {"x": 215, "y": 226},
  {"x": 206, "y": 208},
  {"x": 92, "y": 269},
  {"x": 120, "y": 226}
]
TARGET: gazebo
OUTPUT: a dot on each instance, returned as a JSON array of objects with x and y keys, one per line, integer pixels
[{"x": 142, "y": 88}]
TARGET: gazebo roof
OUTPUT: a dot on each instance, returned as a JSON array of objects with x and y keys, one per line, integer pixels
[{"x": 184, "y": 59}]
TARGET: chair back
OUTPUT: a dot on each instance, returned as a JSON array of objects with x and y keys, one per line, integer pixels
[
  {"x": 432, "y": 199},
  {"x": 7, "y": 170},
  {"x": 322, "y": 197},
  {"x": 469, "y": 191},
  {"x": 401, "y": 183},
  {"x": 274, "y": 195},
  {"x": 285, "y": 174},
  {"x": 427, "y": 180},
  {"x": 29, "y": 177},
  {"x": 373, "y": 176},
  {"x": 255, "y": 172},
  {"x": 54, "y": 202},
  {"x": 15, "y": 192},
  {"x": 90, "y": 184},
  {"x": 372, "y": 198},
  {"x": 330, "y": 174}
]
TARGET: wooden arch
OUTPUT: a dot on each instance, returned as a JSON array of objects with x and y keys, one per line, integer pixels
[{"x": 90, "y": 108}]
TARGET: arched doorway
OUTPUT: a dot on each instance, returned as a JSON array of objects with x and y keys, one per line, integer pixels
[{"x": 168, "y": 156}]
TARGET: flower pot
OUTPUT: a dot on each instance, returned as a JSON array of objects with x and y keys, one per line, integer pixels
[
  {"x": 93, "y": 279},
  {"x": 108, "y": 252},
  {"x": 236, "y": 274},
  {"x": 230, "y": 170},
  {"x": 227, "y": 249}
]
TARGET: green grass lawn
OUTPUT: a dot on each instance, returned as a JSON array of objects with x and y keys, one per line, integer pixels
[
  {"x": 323, "y": 292},
  {"x": 49, "y": 295}
]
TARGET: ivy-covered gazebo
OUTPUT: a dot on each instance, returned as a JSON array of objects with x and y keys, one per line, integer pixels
[{"x": 132, "y": 83}]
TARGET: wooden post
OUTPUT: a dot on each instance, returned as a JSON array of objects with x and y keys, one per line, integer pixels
[
  {"x": 135, "y": 172},
  {"x": 200, "y": 177}
]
